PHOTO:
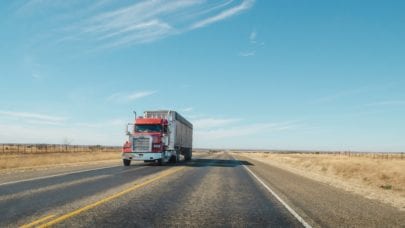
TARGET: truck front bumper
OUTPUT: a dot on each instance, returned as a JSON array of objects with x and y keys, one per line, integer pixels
[{"x": 142, "y": 156}]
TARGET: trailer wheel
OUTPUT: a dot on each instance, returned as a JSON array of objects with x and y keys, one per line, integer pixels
[
  {"x": 177, "y": 156},
  {"x": 159, "y": 162},
  {"x": 188, "y": 155},
  {"x": 172, "y": 159},
  {"x": 126, "y": 162}
]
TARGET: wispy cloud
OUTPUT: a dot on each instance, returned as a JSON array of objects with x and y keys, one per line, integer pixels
[
  {"x": 31, "y": 64},
  {"x": 36, "y": 76},
  {"x": 213, "y": 122},
  {"x": 103, "y": 124},
  {"x": 33, "y": 116},
  {"x": 245, "y": 5},
  {"x": 252, "y": 37},
  {"x": 340, "y": 95},
  {"x": 189, "y": 109},
  {"x": 112, "y": 24},
  {"x": 216, "y": 132},
  {"x": 11, "y": 133},
  {"x": 127, "y": 97},
  {"x": 242, "y": 130},
  {"x": 388, "y": 103},
  {"x": 252, "y": 46},
  {"x": 40, "y": 128},
  {"x": 247, "y": 53}
]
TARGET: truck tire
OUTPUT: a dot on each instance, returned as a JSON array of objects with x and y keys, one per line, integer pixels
[
  {"x": 159, "y": 162},
  {"x": 177, "y": 156},
  {"x": 188, "y": 155},
  {"x": 126, "y": 162},
  {"x": 172, "y": 159}
]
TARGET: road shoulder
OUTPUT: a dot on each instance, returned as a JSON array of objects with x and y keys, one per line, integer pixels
[{"x": 324, "y": 205}]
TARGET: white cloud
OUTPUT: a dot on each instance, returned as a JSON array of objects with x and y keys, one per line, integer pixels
[
  {"x": 237, "y": 135},
  {"x": 252, "y": 37},
  {"x": 247, "y": 54},
  {"x": 140, "y": 22},
  {"x": 241, "y": 130},
  {"x": 107, "y": 123},
  {"x": 36, "y": 76},
  {"x": 213, "y": 122},
  {"x": 189, "y": 109},
  {"x": 212, "y": 132},
  {"x": 356, "y": 93},
  {"x": 126, "y": 97},
  {"x": 253, "y": 45},
  {"x": 138, "y": 95},
  {"x": 20, "y": 133},
  {"x": 29, "y": 116},
  {"x": 245, "y": 5},
  {"x": 388, "y": 103},
  {"x": 41, "y": 130},
  {"x": 115, "y": 24}
]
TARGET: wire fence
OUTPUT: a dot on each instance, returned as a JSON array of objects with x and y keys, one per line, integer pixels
[
  {"x": 54, "y": 148},
  {"x": 374, "y": 155}
]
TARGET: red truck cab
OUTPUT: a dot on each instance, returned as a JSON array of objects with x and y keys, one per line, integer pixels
[{"x": 158, "y": 136}]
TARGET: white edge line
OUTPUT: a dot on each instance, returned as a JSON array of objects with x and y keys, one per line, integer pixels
[
  {"x": 56, "y": 175},
  {"x": 295, "y": 214}
]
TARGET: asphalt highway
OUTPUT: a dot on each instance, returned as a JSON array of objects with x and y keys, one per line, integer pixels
[{"x": 213, "y": 190}]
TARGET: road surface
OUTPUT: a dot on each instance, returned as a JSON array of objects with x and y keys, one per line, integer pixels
[{"x": 213, "y": 190}]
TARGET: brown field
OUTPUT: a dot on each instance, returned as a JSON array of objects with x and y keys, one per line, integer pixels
[
  {"x": 53, "y": 148},
  {"x": 13, "y": 161},
  {"x": 19, "y": 156},
  {"x": 380, "y": 177}
]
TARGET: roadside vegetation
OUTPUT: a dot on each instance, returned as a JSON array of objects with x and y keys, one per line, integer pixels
[
  {"x": 375, "y": 175},
  {"x": 18, "y": 156}
]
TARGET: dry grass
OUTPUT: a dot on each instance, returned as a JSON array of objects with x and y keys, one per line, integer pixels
[
  {"x": 53, "y": 148},
  {"x": 382, "y": 179},
  {"x": 12, "y": 161}
]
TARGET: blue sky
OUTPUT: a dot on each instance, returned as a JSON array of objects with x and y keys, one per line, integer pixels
[{"x": 311, "y": 75}]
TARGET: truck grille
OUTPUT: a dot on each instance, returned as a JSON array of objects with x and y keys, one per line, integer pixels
[{"x": 142, "y": 144}]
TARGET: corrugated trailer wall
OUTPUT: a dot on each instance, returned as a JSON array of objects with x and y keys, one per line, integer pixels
[{"x": 184, "y": 133}]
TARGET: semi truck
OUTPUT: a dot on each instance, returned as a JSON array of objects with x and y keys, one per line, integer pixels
[{"x": 158, "y": 136}]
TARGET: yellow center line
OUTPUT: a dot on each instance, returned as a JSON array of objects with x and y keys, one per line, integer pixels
[
  {"x": 109, "y": 198},
  {"x": 37, "y": 221}
]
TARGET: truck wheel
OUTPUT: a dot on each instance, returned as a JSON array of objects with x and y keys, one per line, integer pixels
[
  {"x": 177, "y": 156},
  {"x": 172, "y": 159},
  {"x": 159, "y": 162},
  {"x": 126, "y": 162},
  {"x": 187, "y": 156}
]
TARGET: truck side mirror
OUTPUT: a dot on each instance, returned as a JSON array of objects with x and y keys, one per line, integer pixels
[{"x": 126, "y": 130}]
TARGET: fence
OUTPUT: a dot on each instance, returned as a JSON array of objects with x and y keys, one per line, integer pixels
[
  {"x": 54, "y": 148},
  {"x": 374, "y": 155}
]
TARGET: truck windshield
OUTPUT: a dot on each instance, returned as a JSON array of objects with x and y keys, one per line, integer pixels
[{"x": 148, "y": 128}]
